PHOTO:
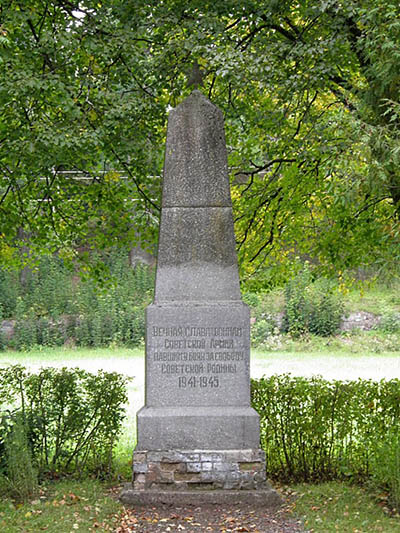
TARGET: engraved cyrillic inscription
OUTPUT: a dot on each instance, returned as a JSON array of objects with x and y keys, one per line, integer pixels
[
  {"x": 198, "y": 356},
  {"x": 193, "y": 331}
]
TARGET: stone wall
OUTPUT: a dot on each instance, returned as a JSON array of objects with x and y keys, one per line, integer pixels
[{"x": 198, "y": 470}]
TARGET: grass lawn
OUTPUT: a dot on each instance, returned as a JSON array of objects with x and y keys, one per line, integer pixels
[
  {"x": 62, "y": 507},
  {"x": 335, "y": 358},
  {"x": 337, "y": 507}
]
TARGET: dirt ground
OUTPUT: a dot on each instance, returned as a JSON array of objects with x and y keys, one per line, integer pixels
[{"x": 210, "y": 518}]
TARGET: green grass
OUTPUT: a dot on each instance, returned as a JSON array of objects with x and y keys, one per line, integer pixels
[
  {"x": 376, "y": 299},
  {"x": 332, "y": 507},
  {"x": 46, "y": 356},
  {"x": 62, "y": 507}
]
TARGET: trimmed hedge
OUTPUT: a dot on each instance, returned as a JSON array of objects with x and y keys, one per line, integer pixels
[{"x": 313, "y": 429}]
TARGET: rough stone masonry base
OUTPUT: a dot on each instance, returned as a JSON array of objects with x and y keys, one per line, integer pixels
[
  {"x": 198, "y": 470},
  {"x": 199, "y": 476}
]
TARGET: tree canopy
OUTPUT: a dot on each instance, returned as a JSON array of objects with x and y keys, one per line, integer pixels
[{"x": 310, "y": 94}]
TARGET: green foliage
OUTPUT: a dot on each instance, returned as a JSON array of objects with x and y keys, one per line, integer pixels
[
  {"x": 390, "y": 322},
  {"x": 313, "y": 429},
  {"x": 310, "y": 95},
  {"x": 261, "y": 330},
  {"x": 385, "y": 464},
  {"x": 8, "y": 292},
  {"x": 311, "y": 306},
  {"x": 18, "y": 478},
  {"x": 72, "y": 417},
  {"x": 264, "y": 324},
  {"x": 54, "y": 306}
]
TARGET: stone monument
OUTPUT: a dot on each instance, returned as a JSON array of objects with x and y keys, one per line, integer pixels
[{"x": 197, "y": 433}]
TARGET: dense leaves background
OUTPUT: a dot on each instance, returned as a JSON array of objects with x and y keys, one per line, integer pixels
[{"x": 310, "y": 94}]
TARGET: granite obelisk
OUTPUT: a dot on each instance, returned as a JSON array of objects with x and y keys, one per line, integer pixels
[{"x": 197, "y": 429}]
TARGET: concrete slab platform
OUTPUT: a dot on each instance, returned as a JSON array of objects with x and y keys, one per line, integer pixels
[{"x": 266, "y": 498}]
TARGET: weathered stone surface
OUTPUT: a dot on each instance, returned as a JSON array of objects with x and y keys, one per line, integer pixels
[
  {"x": 219, "y": 427},
  {"x": 198, "y": 355},
  {"x": 214, "y": 469},
  {"x": 195, "y": 168},
  {"x": 262, "y": 498},
  {"x": 7, "y": 329},
  {"x": 196, "y": 256}
]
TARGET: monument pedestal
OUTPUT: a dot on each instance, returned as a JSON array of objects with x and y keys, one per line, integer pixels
[
  {"x": 263, "y": 497},
  {"x": 196, "y": 477},
  {"x": 202, "y": 428}
]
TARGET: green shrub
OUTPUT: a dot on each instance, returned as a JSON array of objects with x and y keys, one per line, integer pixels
[
  {"x": 8, "y": 292},
  {"x": 262, "y": 329},
  {"x": 313, "y": 429},
  {"x": 55, "y": 307},
  {"x": 18, "y": 476},
  {"x": 390, "y": 322},
  {"x": 311, "y": 306},
  {"x": 264, "y": 325},
  {"x": 385, "y": 465},
  {"x": 72, "y": 417},
  {"x": 252, "y": 299}
]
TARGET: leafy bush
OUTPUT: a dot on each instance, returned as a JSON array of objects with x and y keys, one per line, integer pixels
[
  {"x": 264, "y": 325},
  {"x": 18, "y": 477},
  {"x": 390, "y": 322},
  {"x": 385, "y": 465},
  {"x": 262, "y": 330},
  {"x": 54, "y": 307},
  {"x": 252, "y": 299},
  {"x": 311, "y": 306},
  {"x": 8, "y": 292},
  {"x": 72, "y": 417},
  {"x": 313, "y": 429}
]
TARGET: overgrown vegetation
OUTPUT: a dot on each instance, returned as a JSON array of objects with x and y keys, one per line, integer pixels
[
  {"x": 18, "y": 475},
  {"x": 311, "y": 306},
  {"x": 315, "y": 430},
  {"x": 52, "y": 306},
  {"x": 57, "y": 421}
]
